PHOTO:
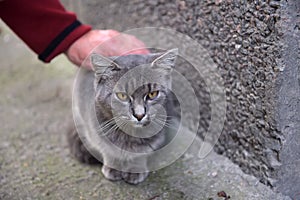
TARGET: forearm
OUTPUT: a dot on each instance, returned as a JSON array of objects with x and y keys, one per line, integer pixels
[{"x": 45, "y": 26}]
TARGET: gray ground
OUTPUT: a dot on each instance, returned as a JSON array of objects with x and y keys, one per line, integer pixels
[{"x": 35, "y": 108}]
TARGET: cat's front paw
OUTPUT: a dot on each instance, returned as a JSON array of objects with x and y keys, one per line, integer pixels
[
  {"x": 134, "y": 178},
  {"x": 111, "y": 174}
]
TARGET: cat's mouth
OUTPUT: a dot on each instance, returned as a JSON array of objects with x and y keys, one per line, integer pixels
[
  {"x": 139, "y": 124},
  {"x": 133, "y": 123}
]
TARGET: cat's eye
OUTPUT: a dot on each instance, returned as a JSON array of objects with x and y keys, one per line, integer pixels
[
  {"x": 122, "y": 96},
  {"x": 152, "y": 95}
]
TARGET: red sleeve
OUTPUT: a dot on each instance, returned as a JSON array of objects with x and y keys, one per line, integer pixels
[{"x": 44, "y": 25}]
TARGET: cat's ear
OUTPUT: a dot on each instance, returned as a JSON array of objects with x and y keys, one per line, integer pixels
[
  {"x": 166, "y": 60},
  {"x": 101, "y": 63}
]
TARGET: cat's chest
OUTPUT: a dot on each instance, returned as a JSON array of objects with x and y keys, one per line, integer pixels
[{"x": 135, "y": 144}]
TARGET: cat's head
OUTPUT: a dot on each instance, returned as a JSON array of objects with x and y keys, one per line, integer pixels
[{"x": 133, "y": 87}]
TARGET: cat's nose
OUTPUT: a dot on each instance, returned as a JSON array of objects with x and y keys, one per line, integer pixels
[
  {"x": 138, "y": 112},
  {"x": 139, "y": 117}
]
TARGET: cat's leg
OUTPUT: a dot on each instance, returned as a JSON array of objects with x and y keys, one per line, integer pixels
[
  {"x": 77, "y": 148},
  {"x": 111, "y": 174},
  {"x": 108, "y": 172},
  {"x": 136, "y": 165},
  {"x": 134, "y": 178}
]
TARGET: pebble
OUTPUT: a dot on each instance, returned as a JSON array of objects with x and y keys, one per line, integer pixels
[
  {"x": 7, "y": 38},
  {"x": 214, "y": 174},
  {"x": 237, "y": 46}
]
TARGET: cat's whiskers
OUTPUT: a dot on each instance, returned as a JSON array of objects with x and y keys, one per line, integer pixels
[
  {"x": 163, "y": 116},
  {"x": 106, "y": 128},
  {"x": 163, "y": 122},
  {"x": 120, "y": 123},
  {"x": 158, "y": 124},
  {"x": 123, "y": 126},
  {"x": 109, "y": 125},
  {"x": 112, "y": 129},
  {"x": 108, "y": 122}
]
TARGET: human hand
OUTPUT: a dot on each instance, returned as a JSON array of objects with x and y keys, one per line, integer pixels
[{"x": 108, "y": 43}]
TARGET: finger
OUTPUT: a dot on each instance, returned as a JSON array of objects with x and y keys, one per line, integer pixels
[
  {"x": 137, "y": 51},
  {"x": 140, "y": 51}
]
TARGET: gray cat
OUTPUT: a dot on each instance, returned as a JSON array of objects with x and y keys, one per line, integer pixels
[{"x": 128, "y": 111}]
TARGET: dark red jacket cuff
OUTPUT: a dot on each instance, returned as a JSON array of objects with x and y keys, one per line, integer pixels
[
  {"x": 64, "y": 40},
  {"x": 44, "y": 25}
]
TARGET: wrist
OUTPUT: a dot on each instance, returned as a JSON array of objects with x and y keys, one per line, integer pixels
[{"x": 78, "y": 50}]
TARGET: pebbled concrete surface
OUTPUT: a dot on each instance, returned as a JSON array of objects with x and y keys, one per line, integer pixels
[{"x": 35, "y": 108}]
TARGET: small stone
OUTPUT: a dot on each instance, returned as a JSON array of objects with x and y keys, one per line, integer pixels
[
  {"x": 214, "y": 174},
  {"x": 218, "y": 2},
  {"x": 182, "y": 5},
  {"x": 237, "y": 46},
  {"x": 6, "y": 38}
]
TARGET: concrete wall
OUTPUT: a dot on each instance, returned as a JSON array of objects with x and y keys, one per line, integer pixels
[
  {"x": 288, "y": 102},
  {"x": 255, "y": 45}
]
